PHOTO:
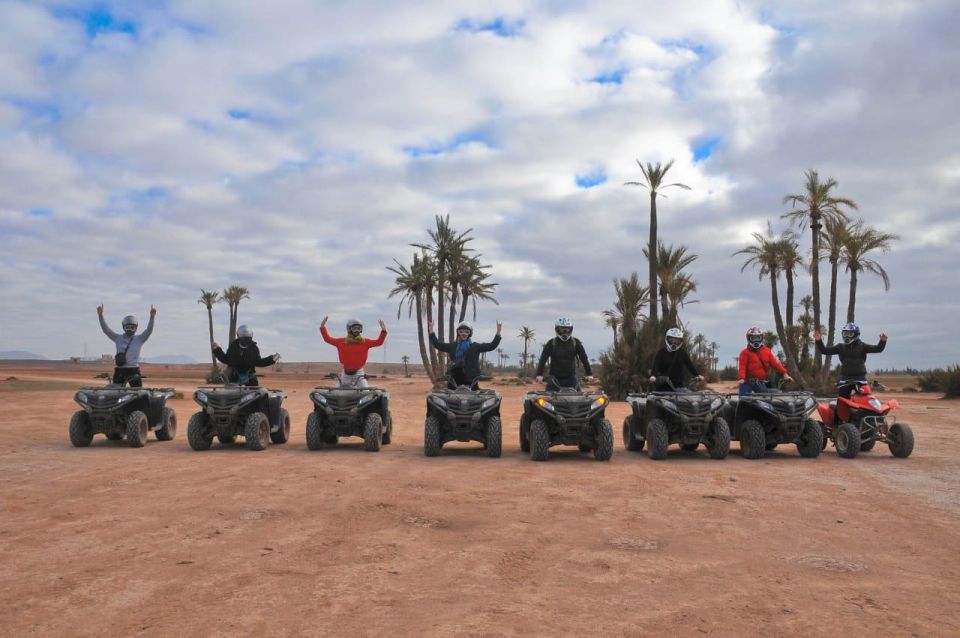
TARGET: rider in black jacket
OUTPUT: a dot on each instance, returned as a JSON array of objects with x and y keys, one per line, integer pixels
[
  {"x": 563, "y": 351},
  {"x": 853, "y": 356},
  {"x": 243, "y": 357},
  {"x": 464, "y": 366},
  {"x": 672, "y": 361}
]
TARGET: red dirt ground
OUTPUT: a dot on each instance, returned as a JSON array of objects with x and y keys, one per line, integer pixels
[{"x": 158, "y": 541}]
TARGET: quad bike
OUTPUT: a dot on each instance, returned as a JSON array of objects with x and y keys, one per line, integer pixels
[
  {"x": 856, "y": 424},
  {"x": 763, "y": 420},
  {"x": 122, "y": 412},
  {"x": 462, "y": 413},
  {"x": 349, "y": 411},
  {"x": 233, "y": 410},
  {"x": 565, "y": 416},
  {"x": 677, "y": 416}
]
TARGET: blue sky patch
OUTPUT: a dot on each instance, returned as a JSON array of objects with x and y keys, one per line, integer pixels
[
  {"x": 147, "y": 196},
  {"x": 111, "y": 263},
  {"x": 98, "y": 19},
  {"x": 704, "y": 148},
  {"x": 499, "y": 26},
  {"x": 43, "y": 213},
  {"x": 441, "y": 147},
  {"x": 610, "y": 77},
  {"x": 239, "y": 114},
  {"x": 591, "y": 178},
  {"x": 38, "y": 109}
]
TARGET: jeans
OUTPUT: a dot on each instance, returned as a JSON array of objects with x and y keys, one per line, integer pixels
[
  {"x": 749, "y": 386},
  {"x": 128, "y": 375}
]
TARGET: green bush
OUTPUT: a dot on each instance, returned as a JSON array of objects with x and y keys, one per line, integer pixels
[
  {"x": 940, "y": 380},
  {"x": 729, "y": 373}
]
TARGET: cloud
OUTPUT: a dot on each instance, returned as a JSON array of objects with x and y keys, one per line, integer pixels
[{"x": 149, "y": 150}]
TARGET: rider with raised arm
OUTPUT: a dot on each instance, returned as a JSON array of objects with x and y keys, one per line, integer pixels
[
  {"x": 128, "y": 345},
  {"x": 352, "y": 350},
  {"x": 755, "y": 363},
  {"x": 672, "y": 361},
  {"x": 464, "y": 366},
  {"x": 563, "y": 351},
  {"x": 853, "y": 356},
  {"x": 243, "y": 357}
]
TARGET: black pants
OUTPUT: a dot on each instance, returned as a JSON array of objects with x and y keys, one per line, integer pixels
[
  {"x": 128, "y": 375},
  {"x": 458, "y": 378},
  {"x": 845, "y": 387}
]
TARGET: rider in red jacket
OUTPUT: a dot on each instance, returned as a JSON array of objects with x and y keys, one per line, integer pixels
[
  {"x": 755, "y": 362},
  {"x": 352, "y": 350}
]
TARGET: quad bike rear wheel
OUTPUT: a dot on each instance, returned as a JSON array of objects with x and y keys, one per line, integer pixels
[
  {"x": 604, "y": 449},
  {"x": 81, "y": 434},
  {"x": 494, "y": 437},
  {"x": 812, "y": 439},
  {"x": 848, "y": 440},
  {"x": 630, "y": 441},
  {"x": 524, "y": 434},
  {"x": 718, "y": 439},
  {"x": 431, "y": 436},
  {"x": 198, "y": 435},
  {"x": 753, "y": 440},
  {"x": 539, "y": 441},
  {"x": 137, "y": 428},
  {"x": 658, "y": 439},
  {"x": 900, "y": 440},
  {"x": 256, "y": 431},
  {"x": 372, "y": 432},
  {"x": 314, "y": 432},
  {"x": 282, "y": 435},
  {"x": 169, "y": 428}
]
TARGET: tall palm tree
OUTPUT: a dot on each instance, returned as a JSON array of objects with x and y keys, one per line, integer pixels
[
  {"x": 812, "y": 207},
  {"x": 207, "y": 299},
  {"x": 861, "y": 241},
  {"x": 680, "y": 287},
  {"x": 233, "y": 295},
  {"x": 805, "y": 329},
  {"x": 653, "y": 175},
  {"x": 764, "y": 254},
  {"x": 412, "y": 283},
  {"x": 670, "y": 264},
  {"x": 474, "y": 286},
  {"x": 713, "y": 354},
  {"x": 527, "y": 334},
  {"x": 834, "y": 236},
  {"x": 628, "y": 306}
]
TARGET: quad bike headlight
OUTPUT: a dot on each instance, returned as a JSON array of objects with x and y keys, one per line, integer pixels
[
  {"x": 809, "y": 404},
  {"x": 439, "y": 402},
  {"x": 598, "y": 403},
  {"x": 765, "y": 405},
  {"x": 249, "y": 396},
  {"x": 125, "y": 398},
  {"x": 489, "y": 403},
  {"x": 875, "y": 404},
  {"x": 319, "y": 398},
  {"x": 200, "y": 396},
  {"x": 716, "y": 403},
  {"x": 367, "y": 398},
  {"x": 671, "y": 405},
  {"x": 81, "y": 397},
  {"x": 546, "y": 405}
]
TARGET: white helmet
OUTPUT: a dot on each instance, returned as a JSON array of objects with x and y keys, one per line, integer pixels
[
  {"x": 674, "y": 339},
  {"x": 244, "y": 331},
  {"x": 130, "y": 324},
  {"x": 563, "y": 327},
  {"x": 354, "y": 322},
  {"x": 465, "y": 325},
  {"x": 755, "y": 338}
]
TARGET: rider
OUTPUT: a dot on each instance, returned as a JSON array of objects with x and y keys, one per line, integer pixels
[
  {"x": 563, "y": 351},
  {"x": 128, "y": 345},
  {"x": 671, "y": 361},
  {"x": 352, "y": 351},
  {"x": 243, "y": 357},
  {"x": 853, "y": 356},
  {"x": 755, "y": 362},
  {"x": 464, "y": 366}
]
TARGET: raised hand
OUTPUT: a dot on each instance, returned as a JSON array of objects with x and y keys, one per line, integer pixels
[
  {"x": 276, "y": 357},
  {"x": 100, "y": 310},
  {"x": 817, "y": 336},
  {"x": 652, "y": 379},
  {"x": 324, "y": 321},
  {"x": 499, "y": 326},
  {"x": 383, "y": 326},
  {"x": 153, "y": 311},
  {"x": 539, "y": 379},
  {"x": 883, "y": 337},
  {"x": 430, "y": 326},
  {"x": 214, "y": 345},
  {"x": 787, "y": 377}
]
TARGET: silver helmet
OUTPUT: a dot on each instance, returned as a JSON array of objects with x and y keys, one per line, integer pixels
[
  {"x": 130, "y": 323},
  {"x": 244, "y": 332},
  {"x": 354, "y": 323},
  {"x": 674, "y": 339},
  {"x": 564, "y": 328}
]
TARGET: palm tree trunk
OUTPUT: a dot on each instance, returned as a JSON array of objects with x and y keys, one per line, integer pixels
[
  {"x": 815, "y": 276},
  {"x": 852, "y": 303},
  {"x": 424, "y": 357},
  {"x": 213, "y": 358},
  {"x": 441, "y": 273},
  {"x": 652, "y": 257},
  {"x": 434, "y": 370},
  {"x": 664, "y": 303},
  {"x": 792, "y": 366},
  {"x": 463, "y": 304},
  {"x": 453, "y": 314},
  {"x": 524, "y": 369},
  {"x": 233, "y": 322},
  {"x": 832, "y": 312}
]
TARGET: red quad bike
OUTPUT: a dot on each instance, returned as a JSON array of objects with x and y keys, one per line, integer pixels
[{"x": 856, "y": 424}]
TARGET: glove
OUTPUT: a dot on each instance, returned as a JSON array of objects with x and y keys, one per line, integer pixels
[
  {"x": 652, "y": 379},
  {"x": 276, "y": 357},
  {"x": 539, "y": 379},
  {"x": 741, "y": 381}
]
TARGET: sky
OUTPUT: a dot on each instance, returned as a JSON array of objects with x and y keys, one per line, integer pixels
[{"x": 297, "y": 148}]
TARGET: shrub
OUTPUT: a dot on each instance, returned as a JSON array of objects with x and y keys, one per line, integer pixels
[
  {"x": 940, "y": 380},
  {"x": 729, "y": 373}
]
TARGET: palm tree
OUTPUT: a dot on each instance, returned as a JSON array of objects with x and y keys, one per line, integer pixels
[
  {"x": 628, "y": 307},
  {"x": 406, "y": 362},
  {"x": 233, "y": 295},
  {"x": 500, "y": 358},
  {"x": 670, "y": 264},
  {"x": 412, "y": 284},
  {"x": 713, "y": 354},
  {"x": 805, "y": 329},
  {"x": 207, "y": 299},
  {"x": 474, "y": 286},
  {"x": 765, "y": 254},
  {"x": 813, "y": 207},
  {"x": 612, "y": 321},
  {"x": 527, "y": 334},
  {"x": 681, "y": 287},
  {"x": 834, "y": 235},
  {"x": 653, "y": 181},
  {"x": 862, "y": 240}
]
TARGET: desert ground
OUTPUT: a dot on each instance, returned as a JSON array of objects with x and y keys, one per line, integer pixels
[{"x": 160, "y": 541}]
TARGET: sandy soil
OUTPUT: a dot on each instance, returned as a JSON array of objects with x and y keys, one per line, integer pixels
[{"x": 109, "y": 540}]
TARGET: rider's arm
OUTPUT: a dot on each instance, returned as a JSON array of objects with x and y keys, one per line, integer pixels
[
  {"x": 326, "y": 337},
  {"x": 689, "y": 364},
  {"x": 487, "y": 347},
  {"x": 742, "y": 365},
  {"x": 825, "y": 349},
  {"x": 439, "y": 345},
  {"x": 582, "y": 353},
  {"x": 106, "y": 329},
  {"x": 379, "y": 340},
  {"x": 221, "y": 355},
  {"x": 149, "y": 331},
  {"x": 547, "y": 351},
  {"x": 867, "y": 348},
  {"x": 263, "y": 361}
]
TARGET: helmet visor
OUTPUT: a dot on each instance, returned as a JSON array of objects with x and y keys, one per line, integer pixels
[
  {"x": 674, "y": 342},
  {"x": 848, "y": 335},
  {"x": 755, "y": 340},
  {"x": 464, "y": 333},
  {"x": 564, "y": 331},
  {"x": 356, "y": 329}
]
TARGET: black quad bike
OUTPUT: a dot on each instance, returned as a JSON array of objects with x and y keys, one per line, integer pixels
[
  {"x": 349, "y": 411},
  {"x": 679, "y": 416},
  {"x": 462, "y": 413},
  {"x": 121, "y": 412},
  {"x": 763, "y": 420},
  {"x": 565, "y": 416},
  {"x": 233, "y": 410}
]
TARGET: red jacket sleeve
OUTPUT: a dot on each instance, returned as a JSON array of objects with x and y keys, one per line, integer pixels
[
  {"x": 326, "y": 337},
  {"x": 379, "y": 340},
  {"x": 742, "y": 371},
  {"x": 772, "y": 360}
]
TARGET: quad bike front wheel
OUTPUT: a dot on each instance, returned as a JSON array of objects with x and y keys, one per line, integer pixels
[
  {"x": 630, "y": 441},
  {"x": 282, "y": 435},
  {"x": 524, "y": 434},
  {"x": 494, "y": 437},
  {"x": 848, "y": 440},
  {"x": 900, "y": 440},
  {"x": 753, "y": 440},
  {"x": 539, "y": 441},
  {"x": 81, "y": 434},
  {"x": 314, "y": 432},
  {"x": 718, "y": 439},
  {"x": 372, "y": 432},
  {"x": 137, "y": 428},
  {"x": 168, "y": 429},
  {"x": 256, "y": 431},
  {"x": 658, "y": 439},
  {"x": 604, "y": 449},
  {"x": 431, "y": 436},
  {"x": 812, "y": 439},
  {"x": 198, "y": 435}
]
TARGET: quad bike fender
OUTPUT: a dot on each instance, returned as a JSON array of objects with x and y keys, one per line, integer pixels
[{"x": 825, "y": 412}]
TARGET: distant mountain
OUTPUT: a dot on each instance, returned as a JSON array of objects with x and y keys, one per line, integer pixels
[
  {"x": 21, "y": 354},
  {"x": 170, "y": 358}
]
